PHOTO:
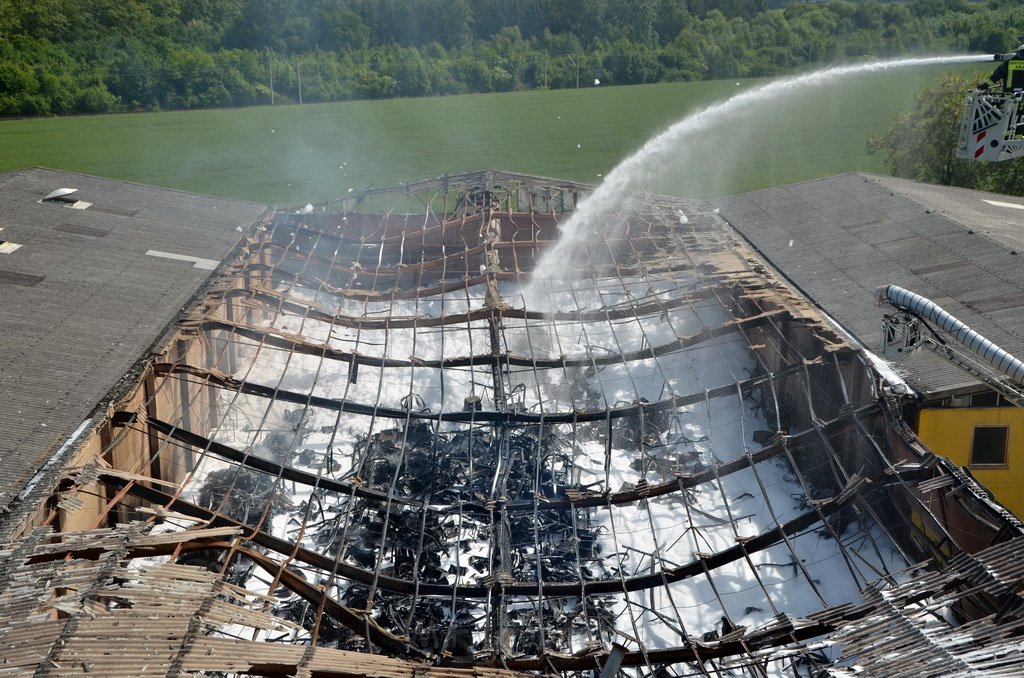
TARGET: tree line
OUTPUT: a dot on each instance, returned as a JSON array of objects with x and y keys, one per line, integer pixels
[{"x": 90, "y": 56}]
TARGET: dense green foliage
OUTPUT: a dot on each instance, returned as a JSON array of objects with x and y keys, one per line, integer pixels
[
  {"x": 75, "y": 56},
  {"x": 921, "y": 144}
]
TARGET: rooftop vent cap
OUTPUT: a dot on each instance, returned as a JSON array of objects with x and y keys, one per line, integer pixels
[
  {"x": 63, "y": 195},
  {"x": 60, "y": 195}
]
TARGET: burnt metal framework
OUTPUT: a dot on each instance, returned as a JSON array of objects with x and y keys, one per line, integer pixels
[{"x": 657, "y": 458}]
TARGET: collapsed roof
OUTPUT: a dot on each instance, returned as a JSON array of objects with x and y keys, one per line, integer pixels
[{"x": 386, "y": 435}]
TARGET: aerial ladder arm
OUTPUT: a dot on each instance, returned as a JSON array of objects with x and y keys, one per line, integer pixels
[{"x": 903, "y": 333}]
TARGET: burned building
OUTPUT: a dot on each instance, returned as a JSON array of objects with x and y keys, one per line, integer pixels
[{"x": 374, "y": 440}]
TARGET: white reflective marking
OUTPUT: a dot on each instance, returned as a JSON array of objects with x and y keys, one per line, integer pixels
[
  {"x": 1004, "y": 204},
  {"x": 197, "y": 262}
]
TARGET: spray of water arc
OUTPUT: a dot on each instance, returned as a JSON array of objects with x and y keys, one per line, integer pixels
[{"x": 677, "y": 145}]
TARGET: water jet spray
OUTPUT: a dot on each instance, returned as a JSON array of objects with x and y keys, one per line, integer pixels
[{"x": 638, "y": 170}]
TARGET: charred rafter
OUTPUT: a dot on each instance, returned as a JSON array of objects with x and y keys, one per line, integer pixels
[
  {"x": 697, "y": 567},
  {"x": 289, "y": 342},
  {"x": 386, "y": 263},
  {"x": 285, "y": 303},
  {"x": 458, "y": 232},
  {"x": 478, "y": 416},
  {"x": 353, "y": 283},
  {"x": 574, "y": 497}
]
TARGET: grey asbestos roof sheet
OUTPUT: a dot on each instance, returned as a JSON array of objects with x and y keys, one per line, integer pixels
[
  {"x": 82, "y": 301},
  {"x": 838, "y": 239}
]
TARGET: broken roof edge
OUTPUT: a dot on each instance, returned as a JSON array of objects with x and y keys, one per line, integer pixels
[
  {"x": 486, "y": 179},
  {"x": 19, "y": 504},
  {"x": 218, "y": 276},
  {"x": 978, "y": 491},
  {"x": 18, "y": 508},
  {"x": 489, "y": 173}
]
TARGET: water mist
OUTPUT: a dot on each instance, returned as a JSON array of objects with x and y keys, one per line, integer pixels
[{"x": 672, "y": 147}]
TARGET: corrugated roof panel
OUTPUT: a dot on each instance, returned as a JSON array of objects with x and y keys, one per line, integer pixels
[
  {"x": 96, "y": 301},
  {"x": 894, "y": 232}
]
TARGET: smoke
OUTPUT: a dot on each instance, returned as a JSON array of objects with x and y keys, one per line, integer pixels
[{"x": 710, "y": 140}]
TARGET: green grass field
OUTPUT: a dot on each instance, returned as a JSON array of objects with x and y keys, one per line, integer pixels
[{"x": 294, "y": 154}]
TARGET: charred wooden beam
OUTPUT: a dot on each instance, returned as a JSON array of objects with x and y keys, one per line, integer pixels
[
  {"x": 477, "y": 416},
  {"x": 297, "y": 344},
  {"x": 286, "y": 303},
  {"x": 575, "y": 498},
  {"x": 700, "y": 565}
]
